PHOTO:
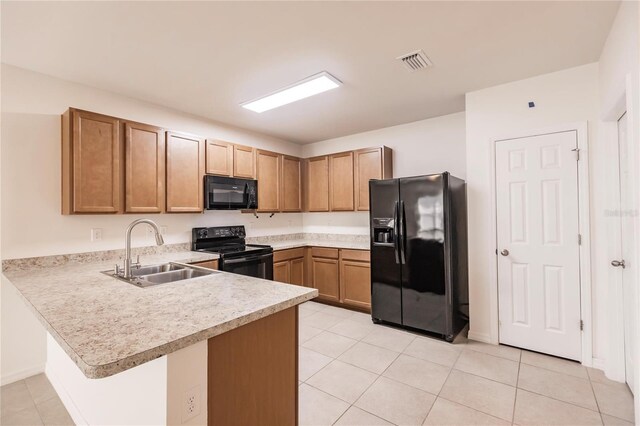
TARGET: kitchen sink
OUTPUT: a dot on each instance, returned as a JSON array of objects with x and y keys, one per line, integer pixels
[{"x": 150, "y": 275}]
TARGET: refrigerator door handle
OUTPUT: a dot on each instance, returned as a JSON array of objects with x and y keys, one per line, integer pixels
[
  {"x": 401, "y": 226},
  {"x": 395, "y": 230}
]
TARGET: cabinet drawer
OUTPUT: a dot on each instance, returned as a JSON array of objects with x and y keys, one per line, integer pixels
[
  {"x": 361, "y": 255},
  {"x": 281, "y": 255},
  {"x": 324, "y": 252}
]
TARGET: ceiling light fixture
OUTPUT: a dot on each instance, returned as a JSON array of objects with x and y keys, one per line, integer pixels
[{"x": 310, "y": 86}]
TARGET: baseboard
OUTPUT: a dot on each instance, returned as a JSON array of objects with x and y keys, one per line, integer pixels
[
  {"x": 479, "y": 337},
  {"x": 22, "y": 374},
  {"x": 65, "y": 398},
  {"x": 598, "y": 363}
]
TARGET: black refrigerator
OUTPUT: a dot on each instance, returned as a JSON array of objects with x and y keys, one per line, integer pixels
[{"x": 419, "y": 277}]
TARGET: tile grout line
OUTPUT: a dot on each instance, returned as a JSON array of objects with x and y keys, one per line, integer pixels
[
  {"x": 443, "y": 385},
  {"x": 595, "y": 397},
  {"x": 515, "y": 399}
]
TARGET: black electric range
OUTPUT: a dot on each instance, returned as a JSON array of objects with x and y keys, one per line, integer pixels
[{"x": 236, "y": 256}]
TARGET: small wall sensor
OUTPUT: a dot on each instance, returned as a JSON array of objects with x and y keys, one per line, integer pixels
[{"x": 532, "y": 104}]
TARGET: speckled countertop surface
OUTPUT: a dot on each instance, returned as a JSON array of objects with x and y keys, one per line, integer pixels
[
  {"x": 355, "y": 245},
  {"x": 107, "y": 326}
]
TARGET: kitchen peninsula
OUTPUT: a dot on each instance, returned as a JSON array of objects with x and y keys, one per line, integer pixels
[{"x": 203, "y": 350}]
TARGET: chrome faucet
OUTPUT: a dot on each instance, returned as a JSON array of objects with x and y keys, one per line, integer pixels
[{"x": 127, "y": 250}]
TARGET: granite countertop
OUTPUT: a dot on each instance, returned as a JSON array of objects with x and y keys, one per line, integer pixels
[
  {"x": 107, "y": 326},
  {"x": 289, "y": 244}
]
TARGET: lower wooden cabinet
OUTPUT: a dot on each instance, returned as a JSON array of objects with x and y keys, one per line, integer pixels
[
  {"x": 325, "y": 275},
  {"x": 341, "y": 276},
  {"x": 209, "y": 264},
  {"x": 355, "y": 278},
  {"x": 288, "y": 266}
]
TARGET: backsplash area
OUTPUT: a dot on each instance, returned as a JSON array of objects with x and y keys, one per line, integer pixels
[{"x": 118, "y": 254}]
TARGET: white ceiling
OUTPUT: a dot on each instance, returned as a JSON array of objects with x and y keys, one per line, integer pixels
[{"x": 205, "y": 58}]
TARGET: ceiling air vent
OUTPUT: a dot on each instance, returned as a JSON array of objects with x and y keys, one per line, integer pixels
[{"x": 415, "y": 61}]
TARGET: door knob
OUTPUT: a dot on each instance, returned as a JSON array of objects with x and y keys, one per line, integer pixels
[
  {"x": 618, "y": 263},
  {"x": 505, "y": 252}
]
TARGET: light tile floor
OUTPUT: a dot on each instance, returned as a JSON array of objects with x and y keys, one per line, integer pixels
[
  {"x": 32, "y": 401},
  {"x": 353, "y": 372}
]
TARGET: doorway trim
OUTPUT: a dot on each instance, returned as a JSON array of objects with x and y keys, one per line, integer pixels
[{"x": 580, "y": 128}]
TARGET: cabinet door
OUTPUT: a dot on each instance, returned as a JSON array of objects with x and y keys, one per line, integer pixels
[
  {"x": 318, "y": 184},
  {"x": 268, "y": 175},
  {"x": 291, "y": 194},
  {"x": 341, "y": 182},
  {"x": 219, "y": 158},
  {"x": 185, "y": 171},
  {"x": 355, "y": 283},
  {"x": 296, "y": 271},
  {"x": 244, "y": 160},
  {"x": 92, "y": 152},
  {"x": 144, "y": 165},
  {"x": 368, "y": 165},
  {"x": 209, "y": 264},
  {"x": 325, "y": 276},
  {"x": 281, "y": 271}
]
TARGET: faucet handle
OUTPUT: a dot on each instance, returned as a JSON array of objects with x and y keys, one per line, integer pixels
[{"x": 117, "y": 269}]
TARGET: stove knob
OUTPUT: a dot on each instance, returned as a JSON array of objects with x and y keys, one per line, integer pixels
[{"x": 202, "y": 233}]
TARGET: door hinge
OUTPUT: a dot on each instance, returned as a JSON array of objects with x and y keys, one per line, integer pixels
[
  {"x": 577, "y": 151},
  {"x": 581, "y": 325},
  {"x": 579, "y": 239}
]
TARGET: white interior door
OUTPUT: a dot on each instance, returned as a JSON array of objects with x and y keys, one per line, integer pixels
[
  {"x": 626, "y": 264},
  {"x": 538, "y": 245}
]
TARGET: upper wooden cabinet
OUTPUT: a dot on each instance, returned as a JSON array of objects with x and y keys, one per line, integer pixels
[
  {"x": 318, "y": 184},
  {"x": 370, "y": 163},
  {"x": 219, "y": 158},
  {"x": 268, "y": 173},
  {"x": 244, "y": 160},
  {"x": 91, "y": 163},
  {"x": 185, "y": 171},
  {"x": 144, "y": 168},
  {"x": 341, "y": 182},
  {"x": 291, "y": 193}
]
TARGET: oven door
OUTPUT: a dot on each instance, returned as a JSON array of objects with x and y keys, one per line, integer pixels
[
  {"x": 259, "y": 266},
  {"x": 223, "y": 193}
]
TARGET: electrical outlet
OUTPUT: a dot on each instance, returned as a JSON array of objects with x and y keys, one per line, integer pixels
[
  {"x": 96, "y": 234},
  {"x": 191, "y": 404}
]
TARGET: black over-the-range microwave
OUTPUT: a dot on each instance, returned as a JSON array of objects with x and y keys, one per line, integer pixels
[{"x": 226, "y": 193}]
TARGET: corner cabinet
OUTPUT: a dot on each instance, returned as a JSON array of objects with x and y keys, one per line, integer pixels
[
  {"x": 341, "y": 182},
  {"x": 144, "y": 168},
  {"x": 291, "y": 193},
  {"x": 268, "y": 174},
  {"x": 185, "y": 169},
  {"x": 91, "y": 163},
  {"x": 317, "y": 176}
]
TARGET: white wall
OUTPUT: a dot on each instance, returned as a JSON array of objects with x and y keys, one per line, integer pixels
[
  {"x": 31, "y": 221},
  {"x": 619, "y": 84},
  {"x": 562, "y": 97},
  {"x": 428, "y": 146}
]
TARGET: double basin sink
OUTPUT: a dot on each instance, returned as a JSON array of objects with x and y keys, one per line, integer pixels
[{"x": 146, "y": 276}]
